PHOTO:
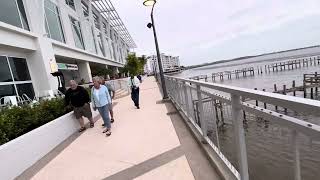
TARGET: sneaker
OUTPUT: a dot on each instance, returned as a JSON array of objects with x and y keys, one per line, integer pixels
[{"x": 138, "y": 107}]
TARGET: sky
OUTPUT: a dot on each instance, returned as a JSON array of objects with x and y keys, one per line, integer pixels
[{"x": 201, "y": 31}]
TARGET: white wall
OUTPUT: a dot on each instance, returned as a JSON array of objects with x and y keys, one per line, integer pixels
[
  {"x": 16, "y": 37},
  {"x": 21, "y": 153}
]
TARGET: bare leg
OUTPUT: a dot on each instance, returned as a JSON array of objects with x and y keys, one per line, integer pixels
[
  {"x": 81, "y": 121},
  {"x": 91, "y": 120}
]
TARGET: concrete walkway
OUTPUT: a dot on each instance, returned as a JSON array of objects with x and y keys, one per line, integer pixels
[{"x": 147, "y": 143}]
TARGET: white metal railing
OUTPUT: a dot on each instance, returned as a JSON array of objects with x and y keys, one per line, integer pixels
[
  {"x": 197, "y": 100},
  {"x": 117, "y": 84}
]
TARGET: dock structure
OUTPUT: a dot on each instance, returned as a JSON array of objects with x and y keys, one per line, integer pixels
[
  {"x": 292, "y": 64},
  {"x": 310, "y": 85},
  {"x": 250, "y": 71},
  {"x": 268, "y": 68}
]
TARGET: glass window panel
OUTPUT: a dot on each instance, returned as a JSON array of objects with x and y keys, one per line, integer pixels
[
  {"x": 77, "y": 36},
  {"x": 85, "y": 9},
  {"x": 25, "y": 89},
  {"x": 71, "y": 3},
  {"x": 100, "y": 45},
  {"x": 94, "y": 40},
  {"x": 7, "y": 90},
  {"x": 19, "y": 69},
  {"x": 50, "y": 5},
  {"x": 5, "y": 75},
  {"x": 23, "y": 15},
  {"x": 9, "y": 13},
  {"x": 96, "y": 21},
  {"x": 54, "y": 23},
  {"x": 46, "y": 26}
]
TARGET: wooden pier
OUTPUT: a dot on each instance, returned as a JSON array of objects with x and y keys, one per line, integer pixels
[
  {"x": 227, "y": 74},
  {"x": 292, "y": 64},
  {"x": 268, "y": 68},
  {"x": 311, "y": 82}
]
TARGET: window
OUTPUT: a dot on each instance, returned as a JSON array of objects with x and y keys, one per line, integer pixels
[
  {"x": 53, "y": 23},
  {"x": 94, "y": 40},
  {"x": 12, "y": 12},
  {"x": 85, "y": 9},
  {"x": 101, "y": 48},
  {"x": 105, "y": 28},
  {"x": 96, "y": 21},
  {"x": 5, "y": 75},
  {"x": 77, "y": 35},
  {"x": 14, "y": 77},
  {"x": 19, "y": 69},
  {"x": 70, "y": 3}
]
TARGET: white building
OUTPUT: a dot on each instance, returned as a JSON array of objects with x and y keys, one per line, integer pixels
[
  {"x": 169, "y": 63},
  {"x": 37, "y": 37}
]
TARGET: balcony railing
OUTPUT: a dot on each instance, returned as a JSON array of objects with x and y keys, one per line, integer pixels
[{"x": 208, "y": 106}]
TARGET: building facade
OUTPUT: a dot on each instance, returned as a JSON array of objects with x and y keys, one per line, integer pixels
[
  {"x": 169, "y": 63},
  {"x": 41, "y": 37}
]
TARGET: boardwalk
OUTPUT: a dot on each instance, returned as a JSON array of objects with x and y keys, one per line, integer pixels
[{"x": 150, "y": 143}]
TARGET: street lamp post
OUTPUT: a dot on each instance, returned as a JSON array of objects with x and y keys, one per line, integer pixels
[{"x": 163, "y": 84}]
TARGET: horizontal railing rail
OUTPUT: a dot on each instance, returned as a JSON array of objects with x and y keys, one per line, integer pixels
[{"x": 200, "y": 101}]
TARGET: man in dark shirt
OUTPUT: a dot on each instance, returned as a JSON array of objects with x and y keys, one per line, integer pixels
[{"x": 79, "y": 99}]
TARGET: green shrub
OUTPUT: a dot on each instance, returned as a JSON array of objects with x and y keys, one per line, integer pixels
[{"x": 17, "y": 121}]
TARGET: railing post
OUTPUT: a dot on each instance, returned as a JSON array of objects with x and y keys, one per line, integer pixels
[
  {"x": 239, "y": 136},
  {"x": 201, "y": 115},
  {"x": 186, "y": 98},
  {"x": 297, "y": 169},
  {"x": 215, "y": 121}
]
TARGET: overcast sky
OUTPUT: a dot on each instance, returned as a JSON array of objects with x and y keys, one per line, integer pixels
[{"x": 202, "y": 31}]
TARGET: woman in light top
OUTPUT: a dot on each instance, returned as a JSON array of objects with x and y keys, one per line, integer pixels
[{"x": 101, "y": 100}]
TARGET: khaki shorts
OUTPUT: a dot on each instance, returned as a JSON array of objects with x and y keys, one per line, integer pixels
[{"x": 85, "y": 111}]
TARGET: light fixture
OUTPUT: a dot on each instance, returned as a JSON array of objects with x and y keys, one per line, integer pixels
[{"x": 149, "y": 2}]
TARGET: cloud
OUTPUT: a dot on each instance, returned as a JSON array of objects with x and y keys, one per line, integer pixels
[{"x": 197, "y": 30}]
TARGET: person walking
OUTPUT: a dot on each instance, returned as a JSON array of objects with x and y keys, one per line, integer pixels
[
  {"x": 134, "y": 84},
  {"x": 101, "y": 100},
  {"x": 112, "y": 94},
  {"x": 79, "y": 99},
  {"x": 140, "y": 78}
]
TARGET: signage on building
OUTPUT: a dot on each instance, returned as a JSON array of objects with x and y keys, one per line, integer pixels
[
  {"x": 72, "y": 67},
  {"x": 53, "y": 66}
]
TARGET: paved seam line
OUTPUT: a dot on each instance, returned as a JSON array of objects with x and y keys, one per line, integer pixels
[
  {"x": 36, "y": 167},
  {"x": 146, "y": 166}
]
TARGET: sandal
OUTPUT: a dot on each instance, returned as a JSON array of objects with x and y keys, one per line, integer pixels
[
  {"x": 108, "y": 133},
  {"x": 82, "y": 129},
  {"x": 91, "y": 125}
]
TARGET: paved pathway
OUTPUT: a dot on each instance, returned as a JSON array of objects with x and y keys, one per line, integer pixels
[{"x": 145, "y": 144}]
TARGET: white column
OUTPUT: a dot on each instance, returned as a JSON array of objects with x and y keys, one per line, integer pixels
[
  {"x": 39, "y": 66},
  {"x": 85, "y": 71}
]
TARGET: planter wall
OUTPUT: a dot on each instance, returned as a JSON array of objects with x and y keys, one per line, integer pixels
[{"x": 21, "y": 153}]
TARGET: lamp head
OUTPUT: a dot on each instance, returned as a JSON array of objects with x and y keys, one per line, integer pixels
[{"x": 149, "y": 2}]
